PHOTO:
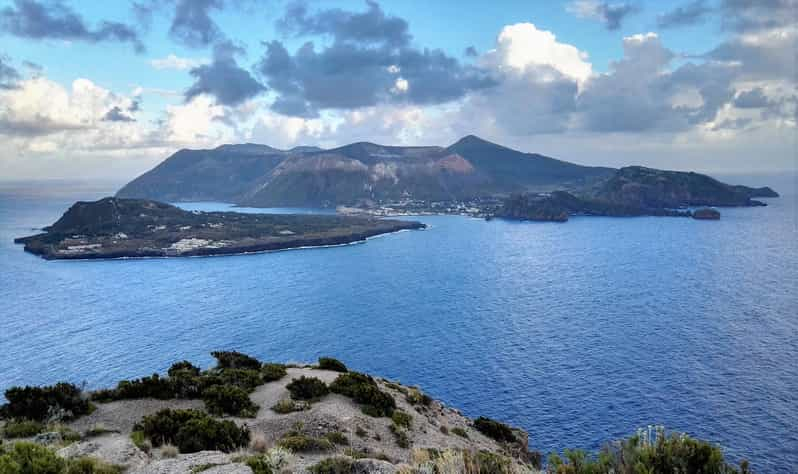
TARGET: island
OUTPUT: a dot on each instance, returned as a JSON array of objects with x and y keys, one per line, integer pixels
[
  {"x": 125, "y": 228},
  {"x": 252, "y": 417}
]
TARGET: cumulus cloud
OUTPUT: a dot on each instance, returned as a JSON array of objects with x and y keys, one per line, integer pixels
[
  {"x": 611, "y": 15},
  {"x": 354, "y": 69},
  {"x": 177, "y": 63},
  {"x": 223, "y": 78},
  {"x": 34, "y": 20},
  {"x": 116, "y": 114}
]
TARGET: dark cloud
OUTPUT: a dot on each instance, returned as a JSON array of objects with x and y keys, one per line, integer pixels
[
  {"x": 135, "y": 106},
  {"x": 54, "y": 20},
  {"x": 471, "y": 52},
  {"x": 117, "y": 115},
  {"x": 192, "y": 24},
  {"x": 614, "y": 14},
  {"x": 771, "y": 56},
  {"x": 223, "y": 78},
  {"x": 755, "y": 15},
  {"x": 733, "y": 124},
  {"x": 369, "y": 61},
  {"x": 8, "y": 74},
  {"x": 37, "y": 127},
  {"x": 753, "y": 99},
  {"x": 691, "y": 13},
  {"x": 371, "y": 26}
]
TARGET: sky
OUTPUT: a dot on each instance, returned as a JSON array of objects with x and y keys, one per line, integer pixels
[{"x": 106, "y": 90}]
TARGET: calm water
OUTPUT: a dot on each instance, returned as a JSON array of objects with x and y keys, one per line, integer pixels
[{"x": 578, "y": 332}]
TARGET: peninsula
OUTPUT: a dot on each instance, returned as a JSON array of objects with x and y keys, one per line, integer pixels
[{"x": 119, "y": 228}]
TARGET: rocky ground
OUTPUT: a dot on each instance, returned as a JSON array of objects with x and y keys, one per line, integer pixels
[{"x": 372, "y": 446}]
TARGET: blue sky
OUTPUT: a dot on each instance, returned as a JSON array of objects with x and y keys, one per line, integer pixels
[{"x": 616, "y": 83}]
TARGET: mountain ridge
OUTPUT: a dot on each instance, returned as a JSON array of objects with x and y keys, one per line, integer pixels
[{"x": 364, "y": 173}]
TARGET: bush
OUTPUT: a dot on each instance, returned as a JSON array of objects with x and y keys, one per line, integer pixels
[
  {"x": 247, "y": 379},
  {"x": 300, "y": 443},
  {"x": 336, "y": 437},
  {"x": 289, "y": 406},
  {"x": 154, "y": 386},
  {"x": 22, "y": 428},
  {"x": 183, "y": 367},
  {"x": 192, "y": 430},
  {"x": 328, "y": 363},
  {"x": 87, "y": 465},
  {"x": 460, "y": 432},
  {"x": 274, "y": 461},
  {"x": 494, "y": 429},
  {"x": 416, "y": 397},
  {"x": 402, "y": 419},
  {"x": 30, "y": 458},
  {"x": 61, "y": 401},
  {"x": 235, "y": 360},
  {"x": 272, "y": 372},
  {"x": 364, "y": 390},
  {"x": 307, "y": 388},
  {"x": 402, "y": 440},
  {"x": 338, "y": 465},
  {"x": 228, "y": 400}
]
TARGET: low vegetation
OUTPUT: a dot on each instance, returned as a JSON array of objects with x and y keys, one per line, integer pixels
[
  {"x": 336, "y": 437},
  {"x": 274, "y": 461},
  {"x": 192, "y": 431},
  {"x": 31, "y": 458},
  {"x": 307, "y": 388},
  {"x": 328, "y": 363},
  {"x": 494, "y": 429},
  {"x": 364, "y": 390},
  {"x": 22, "y": 428},
  {"x": 336, "y": 465},
  {"x": 459, "y": 432},
  {"x": 59, "y": 402},
  {"x": 648, "y": 452},
  {"x": 228, "y": 400},
  {"x": 289, "y": 406},
  {"x": 271, "y": 372},
  {"x": 401, "y": 419},
  {"x": 302, "y": 443}
]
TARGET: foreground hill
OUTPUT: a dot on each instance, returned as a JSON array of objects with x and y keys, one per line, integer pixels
[
  {"x": 261, "y": 176},
  {"x": 244, "y": 416},
  {"x": 114, "y": 227}
]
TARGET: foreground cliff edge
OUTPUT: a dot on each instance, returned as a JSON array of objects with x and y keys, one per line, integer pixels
[
  {"x": 244, "y": 416},
  {"x": 117, "y": 228}
]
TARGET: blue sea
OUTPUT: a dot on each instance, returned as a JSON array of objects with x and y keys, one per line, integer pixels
[{"x": 580, "y": 332}]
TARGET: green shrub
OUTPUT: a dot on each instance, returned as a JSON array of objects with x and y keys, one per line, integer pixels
[
  {"x": 271, "y": 372},
  {"x": 300, "y": 443},
  {"x": 337, "y": 465},
  {"x": 460, "y": 432},
  {"x": 259, "y": 465},
  {"x": 235, "y": 360},
  {"x": 61, "y": 401},
  {"x": 307, "y": 388},
  {"x": 202, "y": 434},
  {"x": 183, "y": 367},
  {"x": 402, "y": 419},
  {"x": 494, "y": 429},
  {"x": 30, "y": 458},
  {"x": 417, "y": 397},
  {"x": 674, "y": 453},
  {"x": 336, "y": 437},
  {"x": 328, "y": 363},
  {"x": 228, "y": 400},
  {"x": 492, "y": 462},
  {"x": 22, "y": 428},
  {"x": 287, "y": 405},
  {"x": 88, "y": 465},
  {"x": 140, "y": 440},
  {"x": 154, "y": 386},
  {"x": 402, "y": 440},
  {"x": 247, "y": 379},
  {"x": 364, "y": 390},
  {"x": 192, "y": 430}
]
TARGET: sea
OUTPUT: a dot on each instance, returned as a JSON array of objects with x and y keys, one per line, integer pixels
[{"x": 578, "y": 332}]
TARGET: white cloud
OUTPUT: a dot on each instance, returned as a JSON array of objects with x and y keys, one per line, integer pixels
[
  {"x": 177, "y": 63},
  {"x": 523, "y": 46},
  {"x": 400, "y": 86}
]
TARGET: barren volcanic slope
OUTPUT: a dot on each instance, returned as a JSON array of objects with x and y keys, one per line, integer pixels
[
  {"x": 261, "y": 176},
  {"x": 114, "y": 227}
]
